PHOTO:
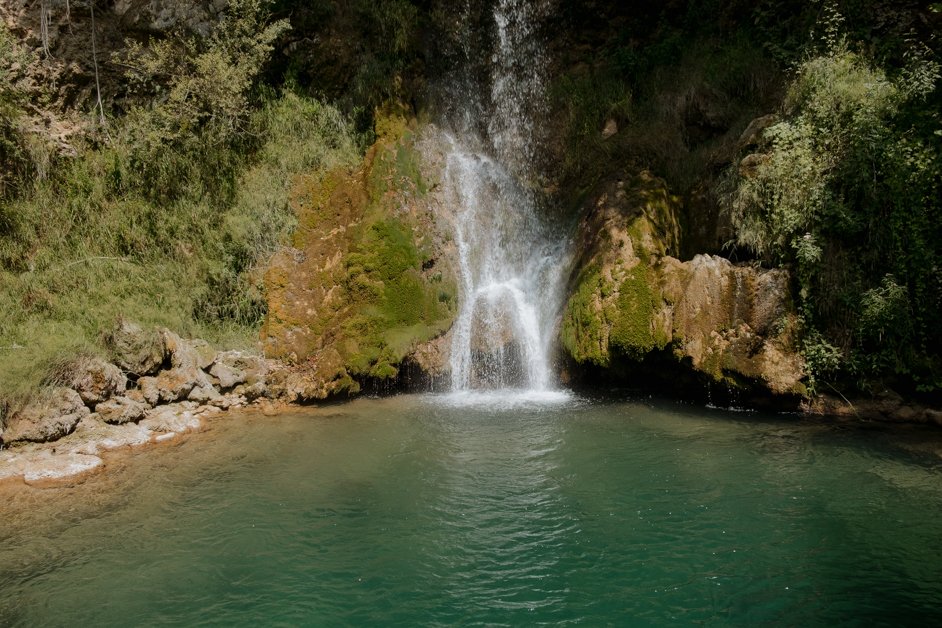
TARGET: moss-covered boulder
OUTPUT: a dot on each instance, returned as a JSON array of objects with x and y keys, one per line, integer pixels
[
  {"x": 631, "y": 298},
  {"x": 364, "y": 285}
]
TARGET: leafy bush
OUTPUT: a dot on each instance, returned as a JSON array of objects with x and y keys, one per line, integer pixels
[{"x": 849, "y": 194}]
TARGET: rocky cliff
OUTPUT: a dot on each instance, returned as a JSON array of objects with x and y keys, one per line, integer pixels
[
  {"x": 368, "y": 279},
  {"x": 632, "y": 300}
]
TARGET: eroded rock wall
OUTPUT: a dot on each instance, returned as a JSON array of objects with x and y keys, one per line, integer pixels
[
  {"x": 631, "y": 298},
  {"x": 368, "y": 283}
]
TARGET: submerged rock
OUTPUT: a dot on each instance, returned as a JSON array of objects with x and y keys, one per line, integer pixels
[
  {"x": 47, "y": 418},
  {"x": 631, "y": 298}
]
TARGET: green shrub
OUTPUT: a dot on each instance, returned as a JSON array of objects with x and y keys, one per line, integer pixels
[{"x": 849, "y": 194}]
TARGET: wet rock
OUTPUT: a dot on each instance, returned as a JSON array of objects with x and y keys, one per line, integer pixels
[
  {"x": 135, "y": 350},
  {"x": 121, "y": 410},
  {"x": 96, "y": 380},
  {"x": 93, "y": 436},
  {"x": 50, "y": 417},
  {"x": 43, "y": 465}
]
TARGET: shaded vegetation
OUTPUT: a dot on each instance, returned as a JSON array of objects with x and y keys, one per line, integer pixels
[
  {"x": 167, "y": 216},
  {"x": 848, "y": 195}
]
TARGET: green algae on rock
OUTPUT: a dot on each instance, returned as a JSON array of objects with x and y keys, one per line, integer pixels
[
  {"x": 630, "y": 298},
  {"x": 364, "y": 285}
]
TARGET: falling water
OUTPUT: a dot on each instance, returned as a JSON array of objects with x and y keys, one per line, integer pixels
[{"x": 511, "y": 260}]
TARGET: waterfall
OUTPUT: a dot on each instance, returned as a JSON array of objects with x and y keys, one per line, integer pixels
[{"x": 511, "y": 261}]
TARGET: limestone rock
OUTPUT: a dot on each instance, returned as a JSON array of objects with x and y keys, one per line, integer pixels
[
  {"x": 175, "y": 418},
  {"x": 205, "y": 353},
  {"x": 228, "y": 376},
  {"x": 96, "y": 380},
  {"x": 172, "y": 385},
  {"x": 121, "y": 410},
  {"x": 147, "y": 388},
  {"x": 50, "y": 417},
  {"x": 203, "y": 394},
  {"x": 251, "y": 391},
  {"x": 235, "y": 367},
  {"x": 135, "y": 350},
  {"x": 181, "y": 352},
  {"x": 630, "y": 298},
  {"x": 369, "y": 275}
]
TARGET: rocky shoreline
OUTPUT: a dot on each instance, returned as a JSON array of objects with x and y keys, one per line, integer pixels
[{"x": 157, "y": 387}]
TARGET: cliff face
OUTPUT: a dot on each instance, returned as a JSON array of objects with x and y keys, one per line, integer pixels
[
  {"x": 368, "y": 279},
  {"x": 631, "y": 299}
]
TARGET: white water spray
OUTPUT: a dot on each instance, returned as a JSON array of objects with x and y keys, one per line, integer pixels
[{"x": 512, "y": 265}]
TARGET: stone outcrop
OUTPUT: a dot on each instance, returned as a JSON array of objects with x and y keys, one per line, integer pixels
[
  {"x": 631, "y": 298},
  {"x": 96, "y": 380},
  {"x": 182, "y": 375},
  {"x": 51, "y": 416},
  {"x": 120, "y": 410},
  {"x": 368, "y": 280},
  {"x": 136, "y": 351}
]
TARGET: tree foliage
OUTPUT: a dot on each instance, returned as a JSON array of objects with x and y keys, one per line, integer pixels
[{"x": 849, "y": 194}]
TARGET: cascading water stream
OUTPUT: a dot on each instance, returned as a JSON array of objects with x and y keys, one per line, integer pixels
[{"x": 511, "y": 262}]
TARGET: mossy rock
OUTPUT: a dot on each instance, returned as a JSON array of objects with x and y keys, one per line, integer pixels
[
  {"x": 632, "y": 317},
  {"x": 631, "y": 301},
  {"x": 360, "y": 284}
]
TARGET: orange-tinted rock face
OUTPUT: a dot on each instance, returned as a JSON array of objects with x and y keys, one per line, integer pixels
[
  {"x": 365, "y": 283},
  {"x": 630, "y": 298}
]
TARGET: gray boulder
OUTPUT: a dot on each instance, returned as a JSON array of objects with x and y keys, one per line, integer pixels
[
  {"x": 120, "y": 410},
  {"x": 47, "y": 418},
  {"x": 135, "y": 350}
]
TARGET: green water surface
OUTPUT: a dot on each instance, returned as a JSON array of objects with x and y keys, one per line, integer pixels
[{"x": 430, "y": 510}]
